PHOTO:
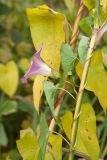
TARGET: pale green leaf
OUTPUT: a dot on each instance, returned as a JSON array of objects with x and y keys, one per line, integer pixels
[
  {"x": 28, "y": 145},
  {"x": 47, "y": 28},
  {"x": 82, "y": 48},
  {"x": 49, "y": 90},
  {"x": 97, "y": 78},
  {"x": 43, "y": 140},
  {"x": 67, "y": 57}
]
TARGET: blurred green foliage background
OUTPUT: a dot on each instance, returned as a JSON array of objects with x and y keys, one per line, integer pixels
[{"x": 17, "y": 112}]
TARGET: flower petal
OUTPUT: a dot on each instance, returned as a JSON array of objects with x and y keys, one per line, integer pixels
[{"x": 37, "y": 67}]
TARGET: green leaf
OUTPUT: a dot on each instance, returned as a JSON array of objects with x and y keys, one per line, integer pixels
[
  {"x": 49, "y": 90},
  {"x": 54, "y": 150},
  {"x": 82, "y": 48},
  {"x": 96, "y": 78},
  {"x": 68, "y": 58},
  {"x": 44, "y": 134},
  {"x": 67, "y": 117},
  {"x": 47, "y": 28},
  {"x": 87, "y": 141},
  {"x": 13, "y": 154},
  {"x": 8, "y": 107},
  {"x": 86, "y": 25},
  {"x": 28, "y": 145},
  {"x": 26, "y": 107},
  {"x": 3, "y": 136},
  {"x": 4, "y": 9}
]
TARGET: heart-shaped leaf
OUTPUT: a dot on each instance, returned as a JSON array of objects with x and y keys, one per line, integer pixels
[
  {"x": 87, "y": 142},
  {"x": 47, "y": 28},
  {"x": 54, "y": 149},
  {"x": 28, "y": 145},
  {"x": 9, "y": 78},
  {"x": 97, "y": 78}
]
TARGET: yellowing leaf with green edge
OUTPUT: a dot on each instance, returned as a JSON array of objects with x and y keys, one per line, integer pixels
[
  {"x": 67, "y": 121},
  {"x": 54, "y": 149},
  {"x": 9, "y": 78},
  {"x": 89, "y": 4},
  {"x": 97, "y": 78},
  {"x": 28, "y": 145},
  {"x": 87, "y": 141},
  {"x": 38, "y": 90},
  {"x": 47, "y": 28}
]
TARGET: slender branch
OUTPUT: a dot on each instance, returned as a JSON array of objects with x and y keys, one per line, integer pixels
[
  {"x": 81, "y": 88},
  {"x": 76, "y": 26},
  {"x": 73, "y": 43},
  {"x": 57, "y": 108}
]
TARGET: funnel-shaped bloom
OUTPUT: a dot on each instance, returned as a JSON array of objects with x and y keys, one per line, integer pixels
[{"x": 37, "y": 67}]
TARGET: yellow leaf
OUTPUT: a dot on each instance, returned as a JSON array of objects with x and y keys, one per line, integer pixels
[
  {"x": 87, "y": 141},
  {"x": 9, "y": 78},
  {"x": 69, "y": 4},
  {"x": 38, "y": 90},
  {"x": 97, "y": 78},
  {"x": 47, "y": 28},
  {"x": 103, "y": 3},
  {"x": 54, "y": 150},
  {"x": 67, "y": 120},
  {"x": 28, "y": 145},
  {"x": 24, "y": 64}
]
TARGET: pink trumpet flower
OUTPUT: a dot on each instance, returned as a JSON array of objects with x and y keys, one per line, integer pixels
[{"x": 37, "y": 67}]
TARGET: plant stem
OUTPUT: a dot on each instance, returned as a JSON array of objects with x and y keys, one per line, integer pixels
[
  {"x": 76, "y": 26},
  {"x": 73, "y": 44},
  {"x": 81, "y": 88}
]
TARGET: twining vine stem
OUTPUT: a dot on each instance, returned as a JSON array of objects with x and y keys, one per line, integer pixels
[
  {"x": 73, "y": 40},
  {"x": 92, "y": 44},
  {"x": 82, "y": 86},
  {"x": 76, "y": 26}
]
